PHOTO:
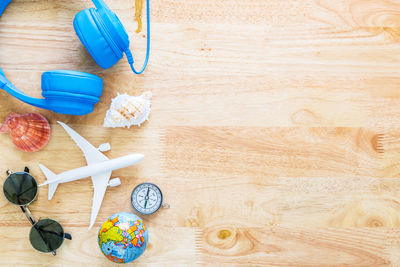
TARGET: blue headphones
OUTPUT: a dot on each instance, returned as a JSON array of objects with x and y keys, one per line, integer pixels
[{"x": 74, "y": 92}]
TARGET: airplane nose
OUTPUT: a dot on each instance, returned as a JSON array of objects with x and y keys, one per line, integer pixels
[{"x": 137, "y": 157}]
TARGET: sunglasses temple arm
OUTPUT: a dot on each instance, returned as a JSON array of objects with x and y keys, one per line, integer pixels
[
  {"x": 28, "y": 214},
  {"x": 67, "y": 236}
]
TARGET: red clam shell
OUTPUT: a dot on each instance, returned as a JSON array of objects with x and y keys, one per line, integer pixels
[{"x": 29, "y": 132}]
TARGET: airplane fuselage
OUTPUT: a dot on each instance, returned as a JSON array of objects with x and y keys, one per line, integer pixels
[{"x": 96, "y": 168}]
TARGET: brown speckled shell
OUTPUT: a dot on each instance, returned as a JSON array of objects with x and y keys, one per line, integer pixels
[{"x": 29, "y": 132}]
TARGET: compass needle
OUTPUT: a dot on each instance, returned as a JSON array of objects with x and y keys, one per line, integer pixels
[{"x": 146, "y": 198}]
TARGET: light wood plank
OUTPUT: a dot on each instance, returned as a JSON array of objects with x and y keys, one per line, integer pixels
[
  {"x": 273, "y": 152},
  {"x": 282, "y": 246}
]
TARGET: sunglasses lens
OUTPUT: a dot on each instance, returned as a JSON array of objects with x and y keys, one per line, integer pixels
[
  {"x": 20, "y": 188},
  {"x": 46, "y": 235}
]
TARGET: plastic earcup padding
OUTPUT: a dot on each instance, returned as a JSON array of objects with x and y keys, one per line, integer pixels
[
  {"x": 73, "y": 82},
  {"x": 115, "y": 28},
  {"x": 71, "y": 92},
  {"x": 92, "y": 34}
]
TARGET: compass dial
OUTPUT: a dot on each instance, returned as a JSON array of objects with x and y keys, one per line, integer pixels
[{"x": 146, "y": 198}]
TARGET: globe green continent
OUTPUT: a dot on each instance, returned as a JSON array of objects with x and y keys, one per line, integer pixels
[{"x": 112, "y": 234}]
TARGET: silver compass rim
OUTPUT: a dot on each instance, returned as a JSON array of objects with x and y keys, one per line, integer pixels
[{"x": 161, "y": 201}]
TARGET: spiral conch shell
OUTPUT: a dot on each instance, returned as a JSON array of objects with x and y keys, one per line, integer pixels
[
  {"x": 29, "y": 132},
  {"x": 126, "y": 110}
]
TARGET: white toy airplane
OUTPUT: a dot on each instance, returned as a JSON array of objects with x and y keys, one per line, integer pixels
[{"x": 99, "y": 168}]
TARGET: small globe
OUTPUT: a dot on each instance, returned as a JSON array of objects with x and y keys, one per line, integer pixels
[{"x": 123, "y": 237}]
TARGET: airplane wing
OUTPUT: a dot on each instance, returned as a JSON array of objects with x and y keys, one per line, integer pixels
[
  {"x": 100, "y": 183},
  {"x": 91, "y": 153}
]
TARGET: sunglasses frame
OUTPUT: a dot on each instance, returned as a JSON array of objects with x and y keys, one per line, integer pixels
[{"x": 27, "y": 212}]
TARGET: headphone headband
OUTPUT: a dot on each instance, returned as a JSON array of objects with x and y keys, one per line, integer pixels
[
  {"x": 99, "y": 4},
  {"x": 3, "y": 5},
  {"x": 7, "y": 86}
]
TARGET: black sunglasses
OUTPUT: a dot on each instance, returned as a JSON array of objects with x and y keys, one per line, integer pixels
[{"x": 46, "y": 235}]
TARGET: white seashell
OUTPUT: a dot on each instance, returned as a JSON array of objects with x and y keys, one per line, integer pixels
[{"x": 126, "y": 110}]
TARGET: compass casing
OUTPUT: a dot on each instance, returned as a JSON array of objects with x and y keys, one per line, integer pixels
[{"x": 154, "y": 198}]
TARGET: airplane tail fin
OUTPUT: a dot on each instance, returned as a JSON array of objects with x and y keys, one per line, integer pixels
[{"x": 50, "y": 176}]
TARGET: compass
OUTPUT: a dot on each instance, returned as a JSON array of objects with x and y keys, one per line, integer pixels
[{"x": 147, "y": 198}]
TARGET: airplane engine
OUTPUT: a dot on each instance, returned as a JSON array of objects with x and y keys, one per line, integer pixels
[
  {"x": 114, "y": 182},
  {"x": 104, "y": 147}
]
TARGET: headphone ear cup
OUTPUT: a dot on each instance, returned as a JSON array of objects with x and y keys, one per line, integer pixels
[
  {"x": 74, "y": 82},
  {"x": 91, "y": 31},
  {"x": 71, "y": 92},
  {"x": 115, "y": 28}
]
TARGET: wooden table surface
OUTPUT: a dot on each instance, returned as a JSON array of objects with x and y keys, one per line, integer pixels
[{"x": 274, "y": 133}]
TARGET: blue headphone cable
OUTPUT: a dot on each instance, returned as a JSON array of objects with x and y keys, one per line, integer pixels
[{"x": 128, "y": 52}]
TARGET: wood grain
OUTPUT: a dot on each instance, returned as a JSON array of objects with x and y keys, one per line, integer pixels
[
  {"x": 274, "y": 131},
  {"x": 263, "y": 152},
  {"x": 281, "y": 246}
]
